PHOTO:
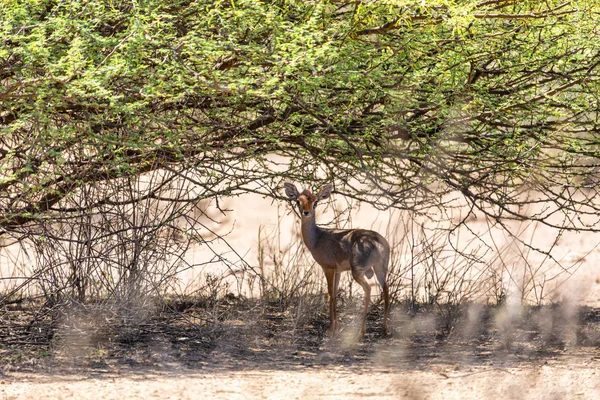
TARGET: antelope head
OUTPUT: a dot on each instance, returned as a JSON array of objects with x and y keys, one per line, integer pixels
[{"x": 306, "y": 200}]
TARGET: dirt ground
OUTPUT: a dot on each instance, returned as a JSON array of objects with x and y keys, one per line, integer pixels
[
  {"x": 500, "y": 353},
  {"x": 577, "y": 378},
  {"x": 545, "y": 354}
]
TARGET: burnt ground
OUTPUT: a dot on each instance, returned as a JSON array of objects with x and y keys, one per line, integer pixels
[{"x": 264, "y": 350}]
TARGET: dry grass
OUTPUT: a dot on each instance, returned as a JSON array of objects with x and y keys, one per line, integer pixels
[
  {"x": 253, "y": 334},
  {"x": 457, "y": 305}
]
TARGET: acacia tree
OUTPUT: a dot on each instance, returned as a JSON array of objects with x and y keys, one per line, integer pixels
[{"x": 496, "y": 100}]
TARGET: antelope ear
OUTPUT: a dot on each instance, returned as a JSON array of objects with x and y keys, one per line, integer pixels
[
  {"x": 325, "y": 191},
  {"x": 291, "y": 191}
]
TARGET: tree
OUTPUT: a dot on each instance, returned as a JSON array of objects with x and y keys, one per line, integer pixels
[{"x": 496, "y": 100}]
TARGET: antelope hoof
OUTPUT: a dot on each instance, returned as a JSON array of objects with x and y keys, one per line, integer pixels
[
  {"x": 386, "y": 330},
  {"x": 332, "y": 330}
]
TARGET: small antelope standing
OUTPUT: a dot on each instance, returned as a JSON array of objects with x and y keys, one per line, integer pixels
[{"x": 336, "y": 250}]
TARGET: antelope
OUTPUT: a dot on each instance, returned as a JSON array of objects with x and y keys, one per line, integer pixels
[{"x": 361, "y": 251}]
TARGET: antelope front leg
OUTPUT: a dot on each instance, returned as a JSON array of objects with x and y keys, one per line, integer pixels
[
  {"x": 332, "y": 281},
  {"x": 336, "y": 283}
]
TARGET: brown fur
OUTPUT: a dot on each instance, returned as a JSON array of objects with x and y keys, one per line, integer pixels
[{"x": 363, "y": 252}]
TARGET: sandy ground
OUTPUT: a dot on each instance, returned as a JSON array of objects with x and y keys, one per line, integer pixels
[
  {"x": 546, "y": 381},
  {"x": 572, "y": 374},
  {"x": 415, "y": 363}
]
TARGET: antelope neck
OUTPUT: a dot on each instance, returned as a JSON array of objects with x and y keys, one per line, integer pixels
[{"x": 310, "y": 232}]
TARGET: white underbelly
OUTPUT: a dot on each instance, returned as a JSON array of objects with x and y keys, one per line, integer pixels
[{"x": 343, "y": 266}]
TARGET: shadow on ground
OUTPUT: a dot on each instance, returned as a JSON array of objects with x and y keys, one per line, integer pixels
[{"x": 256, "y": 336}]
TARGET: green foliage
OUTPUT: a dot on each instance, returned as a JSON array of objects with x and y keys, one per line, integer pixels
[{"x": 484, "y": 96}]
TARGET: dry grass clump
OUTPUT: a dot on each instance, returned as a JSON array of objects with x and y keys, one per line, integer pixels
[{"x": 111, "y": 289}]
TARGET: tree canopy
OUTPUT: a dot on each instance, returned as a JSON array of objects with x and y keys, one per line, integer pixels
[{"x": 495, "y": 99}]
